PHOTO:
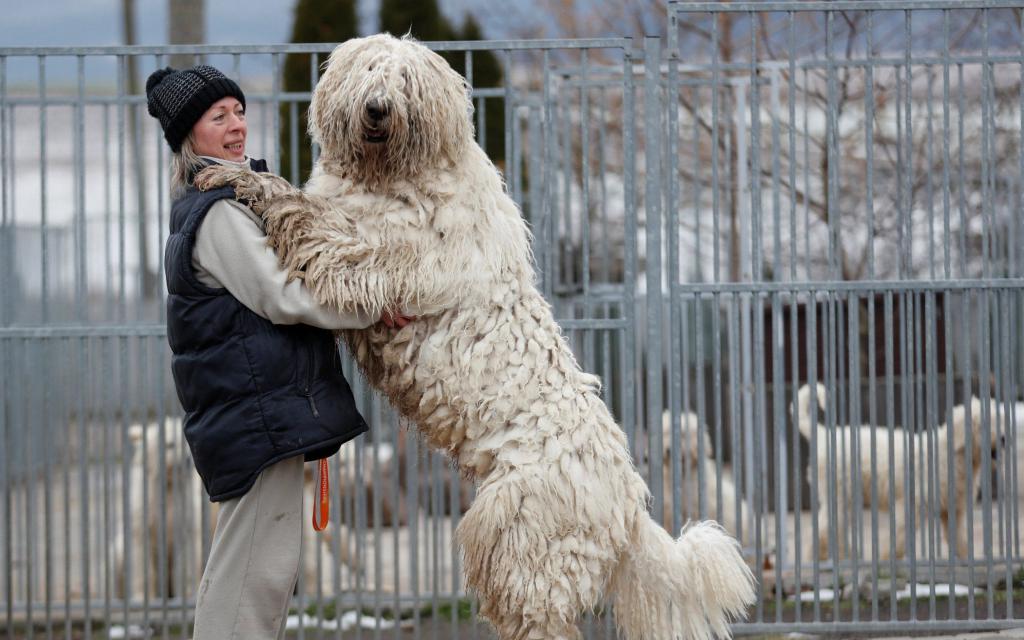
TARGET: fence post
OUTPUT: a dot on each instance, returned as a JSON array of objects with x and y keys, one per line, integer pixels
[{"x": 653, "y": 275}]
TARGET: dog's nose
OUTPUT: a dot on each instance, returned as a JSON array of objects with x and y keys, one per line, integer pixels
[{"x": 376, "y": 110}]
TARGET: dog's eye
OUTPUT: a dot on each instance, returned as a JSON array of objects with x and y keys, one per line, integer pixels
[{"x": 370, "y": 68}]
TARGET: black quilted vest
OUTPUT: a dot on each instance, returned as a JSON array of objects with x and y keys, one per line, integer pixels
[{"x": 254, "y": 393}]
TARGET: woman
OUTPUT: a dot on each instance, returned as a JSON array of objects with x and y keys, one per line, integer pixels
[{"x": 254, "y": 362}]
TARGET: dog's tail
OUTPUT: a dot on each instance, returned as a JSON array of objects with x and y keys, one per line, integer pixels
[
  {"x": 803, "y": 408},
  {"x": 689, "y": 588}
]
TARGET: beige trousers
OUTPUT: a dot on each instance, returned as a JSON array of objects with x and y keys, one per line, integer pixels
[{"x": 250, "y": 575}]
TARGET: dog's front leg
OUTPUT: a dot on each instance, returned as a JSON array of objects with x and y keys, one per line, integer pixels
[
  {"x": 319, "y": 243},
  {"x": 255, "y": 189},
  {"x": 960, "y": 525}
]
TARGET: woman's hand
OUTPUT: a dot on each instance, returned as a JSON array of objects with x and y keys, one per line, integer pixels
[{"x": 395, "y": 320}]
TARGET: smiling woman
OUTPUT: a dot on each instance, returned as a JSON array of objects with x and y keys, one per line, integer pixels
[
  {"x": 199, "y": 110},
  {"x": 254, "y": 361},
  {"x": 221, "y": 131}
]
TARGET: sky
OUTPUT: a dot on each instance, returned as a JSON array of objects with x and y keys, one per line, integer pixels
[
  {"x": 98, "y": 22},
  {"x": 79, "y": 23}
]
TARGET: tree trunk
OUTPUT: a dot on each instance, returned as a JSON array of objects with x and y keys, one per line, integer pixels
[
  {"x": 147, "y": 283},
  {"x": 186, "y": 25}
]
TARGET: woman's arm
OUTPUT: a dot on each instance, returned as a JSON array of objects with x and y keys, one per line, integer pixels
[
  {"x": 320, "y": 244},
  {"x": 231, "y": 251}
]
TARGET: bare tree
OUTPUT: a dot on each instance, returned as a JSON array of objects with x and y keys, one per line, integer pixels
[
  {"x": 860, "y": 117},
  {"x": 887, "y": 127}
]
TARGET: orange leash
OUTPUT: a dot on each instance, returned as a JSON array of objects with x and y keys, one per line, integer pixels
[{"x": 322, "y": 498}]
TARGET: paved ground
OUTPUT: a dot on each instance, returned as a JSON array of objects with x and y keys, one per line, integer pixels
[
  {"x": 434, "y": 629},
  {"x": 1007, "y": 634}
]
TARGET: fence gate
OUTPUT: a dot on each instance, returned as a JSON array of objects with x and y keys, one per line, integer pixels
[
  {"x": 775, "y": 194},
  {"x": 841, "y": 191}
]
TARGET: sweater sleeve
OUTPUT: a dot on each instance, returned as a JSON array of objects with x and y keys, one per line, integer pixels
[{"x": 231, "y": 252}]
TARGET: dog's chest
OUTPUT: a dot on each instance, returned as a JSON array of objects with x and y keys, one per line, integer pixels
[{"x": 383, "y": 219}]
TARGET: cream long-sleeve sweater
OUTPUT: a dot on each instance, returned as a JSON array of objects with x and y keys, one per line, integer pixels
[{"x": 231, "y": 252}]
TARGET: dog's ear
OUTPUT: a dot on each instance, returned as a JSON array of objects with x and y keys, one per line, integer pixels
[
  {"x": 666, "y": 434},
  {"x": 325, "y": 124},
  {"x": 822, "y": 398},
  {"x": 450, "y": 108}
]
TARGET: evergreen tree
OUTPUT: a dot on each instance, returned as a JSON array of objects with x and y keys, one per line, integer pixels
[
  {"x": 331, "y": 21},
  {"x": 487, "y": 73},
  {"x": 421, "y": 18}
]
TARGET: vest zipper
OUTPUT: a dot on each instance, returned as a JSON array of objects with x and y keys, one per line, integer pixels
[{"x": 309, "y": 382}]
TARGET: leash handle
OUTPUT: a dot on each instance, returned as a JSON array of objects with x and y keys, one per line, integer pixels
[{"x": 322, "y": 498}]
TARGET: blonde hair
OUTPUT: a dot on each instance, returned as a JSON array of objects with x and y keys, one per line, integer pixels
[{"x": 184, "y": 164}]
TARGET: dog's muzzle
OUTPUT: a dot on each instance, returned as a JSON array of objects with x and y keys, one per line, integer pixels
[{"x": 375, "y": 120}]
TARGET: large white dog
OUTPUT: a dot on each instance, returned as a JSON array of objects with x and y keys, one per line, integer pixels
[
  {"x": 404, "y": 211},
  {"x": 951, "y": 500}
]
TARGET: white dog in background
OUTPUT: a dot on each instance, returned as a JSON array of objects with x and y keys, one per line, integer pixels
[
  {"x": 404, "y": 211},
  {"x": 892, "y": 498},
  {"x": 165, "y": 514},
  {"x": 168, "y": 508},
  {"x": 695, "y": 460}
]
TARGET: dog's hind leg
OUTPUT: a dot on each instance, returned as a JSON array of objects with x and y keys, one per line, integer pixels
[
  {"x": 823, "y": 546},
  {"x": 532, "y": 580},
  {"x": 822, "y": 515}
]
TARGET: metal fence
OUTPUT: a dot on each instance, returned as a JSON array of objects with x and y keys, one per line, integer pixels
[
  {"x": 864, "y": 198},
  {"x": 777, "y": 193}
]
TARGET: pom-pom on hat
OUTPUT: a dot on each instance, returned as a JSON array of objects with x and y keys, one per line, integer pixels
[{"x": 179, "y": 98}]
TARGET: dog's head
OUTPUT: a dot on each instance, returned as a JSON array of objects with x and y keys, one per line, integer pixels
[
  {"x": 806, "y": 399},
  {"x": 691, "y": 433},
  {"x": 388, "y": 107},
  {"x": 981, "y": 443}
]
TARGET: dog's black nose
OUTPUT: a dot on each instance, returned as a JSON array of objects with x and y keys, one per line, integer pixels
[{"x": 376, "y": 109}]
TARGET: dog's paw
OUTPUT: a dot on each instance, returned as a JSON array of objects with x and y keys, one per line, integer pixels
[
  {"x": 249, "y": 189},
  {"x": 274, "y": 186},
  {"x": 217, "y": 176},
  {"x": 248, "y": 184}
]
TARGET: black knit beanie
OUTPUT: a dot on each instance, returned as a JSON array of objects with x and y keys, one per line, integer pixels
[{"x": 179, "y": 98}]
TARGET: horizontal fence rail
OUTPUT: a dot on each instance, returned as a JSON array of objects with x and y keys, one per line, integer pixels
[{"x": 776, "y": 196}]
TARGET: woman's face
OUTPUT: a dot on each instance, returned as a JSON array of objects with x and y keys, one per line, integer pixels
[{"x": 221, "y": 131}]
